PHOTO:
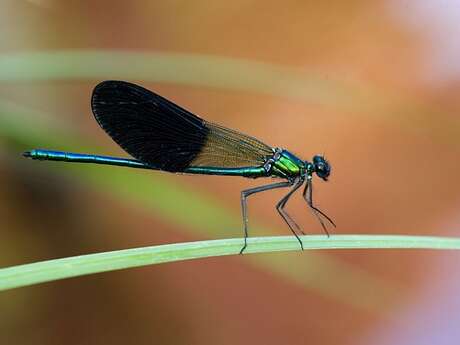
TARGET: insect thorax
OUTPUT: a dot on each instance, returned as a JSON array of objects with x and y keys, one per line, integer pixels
[{"x": 284, "y": 164}]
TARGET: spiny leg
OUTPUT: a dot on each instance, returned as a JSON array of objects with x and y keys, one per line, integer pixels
[
  {"x": 244, "y": 205},
  {"x": 290, "y": 219},
  {"x": 280, "y": 208},
  {"x": 309, "y": 199},
  {"x": 308, "y": 196}
]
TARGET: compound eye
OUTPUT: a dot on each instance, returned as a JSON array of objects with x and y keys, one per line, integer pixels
[
  {"x": 321, "y": 170},
  {"x": 322, "y": 167}
]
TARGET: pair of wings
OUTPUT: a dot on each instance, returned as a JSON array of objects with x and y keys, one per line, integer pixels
[{"x": 159, "y": 133}]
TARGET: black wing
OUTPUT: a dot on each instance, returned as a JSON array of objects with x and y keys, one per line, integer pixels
[{"x": 160, "y": 133}]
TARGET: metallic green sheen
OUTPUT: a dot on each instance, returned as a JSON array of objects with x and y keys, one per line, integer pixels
[{"x": 288, "y": 165}]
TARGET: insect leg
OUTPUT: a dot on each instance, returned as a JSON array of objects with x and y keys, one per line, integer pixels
[
  {"x": 289, "y": 218},
  {"x": 244, "y": 205},
  {"x": 280, "y": 208},
  {"x": 308, "y": 196}
]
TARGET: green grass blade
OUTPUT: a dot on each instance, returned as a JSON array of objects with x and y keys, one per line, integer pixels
[{"x": 40, "y": 272}]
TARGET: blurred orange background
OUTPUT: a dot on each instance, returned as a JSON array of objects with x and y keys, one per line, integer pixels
[{"x": 372, "y": 84}]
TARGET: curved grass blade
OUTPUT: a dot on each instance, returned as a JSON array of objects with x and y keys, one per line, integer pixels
[{"x": 46, "y": 271}]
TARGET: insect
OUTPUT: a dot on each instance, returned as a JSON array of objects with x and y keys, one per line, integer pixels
[{"x": 160, "y": 135}]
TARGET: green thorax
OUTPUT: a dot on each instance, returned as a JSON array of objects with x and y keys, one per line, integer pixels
[{"x": 286, "y": 165}]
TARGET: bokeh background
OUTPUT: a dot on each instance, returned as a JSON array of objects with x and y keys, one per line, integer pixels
[{"x": 372, "y": 84}]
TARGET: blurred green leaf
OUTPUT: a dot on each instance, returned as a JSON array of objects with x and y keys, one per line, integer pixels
[
  {"x": 351, "y": 97},
  {"x": 184, "y": 69}
]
